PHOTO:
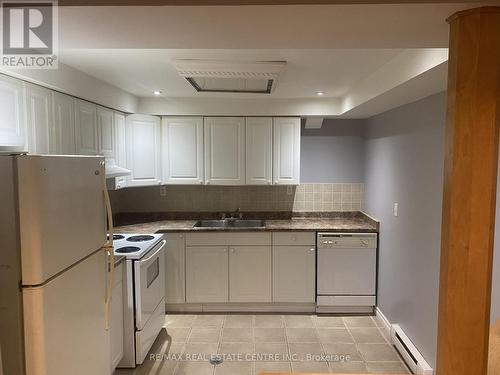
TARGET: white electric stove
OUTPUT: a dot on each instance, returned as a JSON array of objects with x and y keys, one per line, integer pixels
[
  {"x": 144, "y": 310},
  {"x": 133, "y": 245}
]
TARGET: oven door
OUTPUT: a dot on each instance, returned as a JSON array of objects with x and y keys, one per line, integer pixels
[{"x": 149, "y": 277}]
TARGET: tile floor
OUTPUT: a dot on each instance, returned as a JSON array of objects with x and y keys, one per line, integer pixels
[{"x": 250, "y": 344}]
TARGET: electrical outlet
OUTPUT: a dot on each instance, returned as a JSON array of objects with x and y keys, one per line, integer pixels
[
  {"x": 289, "y": 190},
  {"x": 395, "y": 209},
  {"x": 163, "y": 191}
]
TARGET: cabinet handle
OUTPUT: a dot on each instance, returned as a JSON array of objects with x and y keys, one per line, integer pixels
[
  {"x": 231, "y": 250},
  {"x": 201, "y": 181},
  {"x": 276, "y": 182},
  {"x": 208, "y": 182},
  {"x": 312, "y": 249},
  {"x": 181, "y": 236}
]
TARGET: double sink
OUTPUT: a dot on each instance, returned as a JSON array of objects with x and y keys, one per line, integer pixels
[{"x": 230, "y": 223}]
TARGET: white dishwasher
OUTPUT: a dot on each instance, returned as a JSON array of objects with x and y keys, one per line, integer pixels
[{"x": 346, "y": 272}]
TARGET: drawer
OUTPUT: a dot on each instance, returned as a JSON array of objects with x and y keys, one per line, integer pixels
[
  {"x": 294, "y": 238},
  {"x": 228, "y": 239}
]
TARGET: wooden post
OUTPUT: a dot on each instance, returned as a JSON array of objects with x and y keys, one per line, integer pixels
[{"x": 470, "y": 175}]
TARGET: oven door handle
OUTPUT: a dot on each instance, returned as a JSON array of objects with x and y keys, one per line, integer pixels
[{"x": 142, "y": 261}]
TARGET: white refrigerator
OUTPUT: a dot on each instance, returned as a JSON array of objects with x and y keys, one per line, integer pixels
[{"x": 54, "y": 265}]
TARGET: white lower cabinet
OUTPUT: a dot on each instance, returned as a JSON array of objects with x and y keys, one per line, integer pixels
[
  {"x": 250, "y": 274},
  {"x": 116, "y": 318},
  {"x": 242, "y": 267},
  {"x": 206, "y": 274},
  {"x": 175, "y": 275},
  {"x": 294, "y": 273}
]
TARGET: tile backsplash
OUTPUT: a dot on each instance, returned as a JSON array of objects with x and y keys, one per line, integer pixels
[{"x": 308, "y": 197}]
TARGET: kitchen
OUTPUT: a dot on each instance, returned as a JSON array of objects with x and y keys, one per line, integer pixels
[{"x": 259, "y": 203}]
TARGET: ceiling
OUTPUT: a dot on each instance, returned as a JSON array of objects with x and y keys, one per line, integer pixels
[
  {"x": 140, "y": 72},
  {"x": 367, "y": 58}
]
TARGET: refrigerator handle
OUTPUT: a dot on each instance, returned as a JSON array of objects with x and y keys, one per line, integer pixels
[{"x": 110, "y": 261}]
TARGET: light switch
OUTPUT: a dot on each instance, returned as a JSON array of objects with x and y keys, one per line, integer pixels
[
  {"x": 396, "y": 209},
  {"x": 163, "y": 191}
]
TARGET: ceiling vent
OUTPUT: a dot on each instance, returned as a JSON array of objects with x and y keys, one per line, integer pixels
[{"x": 231, "y": 77}]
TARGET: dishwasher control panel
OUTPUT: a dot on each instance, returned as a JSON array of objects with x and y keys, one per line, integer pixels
[{"x": 347, "y": 240}]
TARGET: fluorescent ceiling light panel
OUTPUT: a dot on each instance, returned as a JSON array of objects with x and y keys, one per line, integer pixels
[{"x": 231, "y": 77}]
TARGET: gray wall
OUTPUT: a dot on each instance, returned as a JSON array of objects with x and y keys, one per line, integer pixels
[
  {"x": 404, "y": 164},
  {"x": 334, "y": 153}
]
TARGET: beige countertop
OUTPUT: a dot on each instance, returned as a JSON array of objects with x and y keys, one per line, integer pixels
[{"x": 345, "y": 224}]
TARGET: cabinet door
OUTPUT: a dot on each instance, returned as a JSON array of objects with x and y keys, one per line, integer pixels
[
  {"x": 39, "y": 119},
  {"x": 294, "y": 273},
  {"x": 116, "y": 318},
  {"x": 259, "y": 150},
  {"x": 12, "y": 120},
  {"x": 106, "y": 131},
  {"x": 64, "y": 124},
  {"x": 175, "y": 276},
  {"x": 120, "y": 139},
  {"x": 286, "y": 150},
  {"x": 86, "y": 130},
  {"x": 225, "y": 150},
  {"x": 250, "y": 274},
  {"x": 182, "y": 150},
  {"x": 143, "y": 150},
  {"x": 206, "y": 274}
]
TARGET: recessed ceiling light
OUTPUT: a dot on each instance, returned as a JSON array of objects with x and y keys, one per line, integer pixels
[
  {"x": 157, "y": 92},
  {"x": 320, "y": 93}
]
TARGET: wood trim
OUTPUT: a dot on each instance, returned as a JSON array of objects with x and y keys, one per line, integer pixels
[
  {"x": 245, "y": 2},
  {"x": 470, "y": 173}
]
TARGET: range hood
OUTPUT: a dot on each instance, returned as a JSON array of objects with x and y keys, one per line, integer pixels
[{"x": 113, "y": 171}]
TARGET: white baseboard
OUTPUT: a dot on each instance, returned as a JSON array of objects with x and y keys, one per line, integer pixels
[
  {"x": 386, "y": 325},
  {"x": 414, "y": 360}
]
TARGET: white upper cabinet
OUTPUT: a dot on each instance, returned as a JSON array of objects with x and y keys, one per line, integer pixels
[
  {"x": 286, "y": 150},
  {"x": 39, "y": 119},
  {"x": 12, "y": 120},
  {"x": 64, "y": 124},
  {"x": 182, "y": 150},
  {"x": 225, "y": 150},
  {"x": 87, "y": 134},
  {"x": 259, "y": 150},
  {"x": 143, "y": 150},
  {"x": 120, "y": 139},
  {"x": 106, "y": 131}
]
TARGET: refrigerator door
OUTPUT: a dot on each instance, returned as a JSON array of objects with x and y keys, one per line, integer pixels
[
  {"x": 61, "y": 212},
  {"x": 64, "y": 324}
]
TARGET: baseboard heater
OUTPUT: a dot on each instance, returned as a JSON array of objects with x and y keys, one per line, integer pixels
[{"x": 409, "y": 352}]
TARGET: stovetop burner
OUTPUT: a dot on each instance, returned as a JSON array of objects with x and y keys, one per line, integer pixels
[
  {"x": 127, "y": 249},
  {"x": 117, "y": 237},
  {"x": 140, "y": 238}
]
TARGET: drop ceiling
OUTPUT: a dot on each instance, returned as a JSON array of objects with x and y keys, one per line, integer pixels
[{"x": 140, "y": 72}]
